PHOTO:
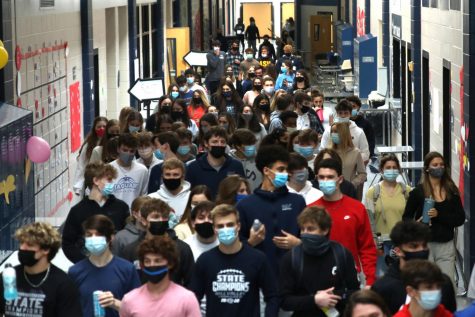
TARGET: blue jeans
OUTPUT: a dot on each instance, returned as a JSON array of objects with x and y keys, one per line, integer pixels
[{"x": 381, "y": 266}]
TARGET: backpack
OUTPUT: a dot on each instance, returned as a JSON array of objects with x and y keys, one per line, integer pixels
[{"x": 339, "y": 255}]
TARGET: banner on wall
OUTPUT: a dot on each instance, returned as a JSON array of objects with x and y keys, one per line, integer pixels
[{"x": 75, "y": 116}]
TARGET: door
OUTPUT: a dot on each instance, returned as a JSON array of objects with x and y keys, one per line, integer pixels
[
  {"x": 446, "y": 113},
  {"x": 262, "y": 13},
  {"x": 320, "y": 33},
  {"x": 425, "y": 104},
  {"x": 287, "y": 10}
]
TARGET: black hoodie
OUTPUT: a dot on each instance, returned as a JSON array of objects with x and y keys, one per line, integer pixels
[
  {"x": 73, "y": 235},
  {"x": 392, "y": 290}
]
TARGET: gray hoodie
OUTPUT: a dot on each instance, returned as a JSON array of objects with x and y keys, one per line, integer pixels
[{"x": 124, "y": 237}]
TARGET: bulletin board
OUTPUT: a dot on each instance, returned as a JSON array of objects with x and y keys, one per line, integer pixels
[{"x": 42, "y": 87}]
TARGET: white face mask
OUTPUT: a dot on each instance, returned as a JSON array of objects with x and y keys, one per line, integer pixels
[
  {"x": 216, "y": 48},
  {"x": 146, "y": 152}
]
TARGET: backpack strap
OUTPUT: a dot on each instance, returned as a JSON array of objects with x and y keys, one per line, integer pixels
[
  {"x": 339, "y": 255},
  {"x": 297, "y": 261}
]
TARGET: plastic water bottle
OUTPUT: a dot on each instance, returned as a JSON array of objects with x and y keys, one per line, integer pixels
[
  {"x": 256, "y": 225},
  {"x": 99, "y": 311},
  {"x": 10, "y": 291}
]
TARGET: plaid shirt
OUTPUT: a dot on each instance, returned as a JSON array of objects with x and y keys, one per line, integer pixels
[{"x": 230, "y": 57}]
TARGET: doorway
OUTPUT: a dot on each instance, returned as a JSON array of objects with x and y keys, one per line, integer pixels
[
  {"x": 262, "y": 13},
  {"x": 97, "y": 110},
  {"x": 446, "y": 113},
  {"x": 396, "y": 68},
  {"x": 320, "y": 28},
  {"x": 425, "y": 104}
]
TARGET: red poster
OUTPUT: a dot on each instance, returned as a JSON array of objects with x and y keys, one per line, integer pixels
[{"x": 75, "y": 116}]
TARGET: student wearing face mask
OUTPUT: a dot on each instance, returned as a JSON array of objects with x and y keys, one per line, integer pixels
[
  {"x": 250, "y": 95},
  {"x": 43, "y": 289},
  {"x": 295, "y": 62},
  {"x": 213, "y": 166},
  {"x": 234, "y": 58},
  {"x": 307, "y": 143},
  {"x": 216, "y": 63},
  {"x": 385, "y": 203},
  {"x": 317, "y": 276},
  {"x": 273, "y": 206},
  {"x": 231, "y": 274},
  {"x": 286, "y": 78},
  {"x": 298, "y": 182},
  {"x": 248, "y": 119},
  {"x": 132, "y": 178},
  {"x": 301, "y": 82},
  {"x": 446, "y": 213},
  {"x": 248, "y": 62},
  {"x": 100, "y": 201},
  {"x": 192, "y": 84},
  {"x": 101, "y": 270},
  {"x": 158, "y": 218},
  {"x": 307, "y": 118},
  {"x": 186, "y": 150},
  {"x": 289, "y": 120},
  {"x": 174, "y": 189},
  {"x": 244, "y": 150},
  {"x": 159, "y": 259},
  {"x": 261, "y": 109},
  {"x": 270, "y": 49},
  {"x": 134, "y": 123},
  {"x": 146, "y": 150},
  {"x": 423, "y": 281},
  {"x": 351, "y": 226},
  {"x": 166, "y": 147},
  {"x": 410, "y": 239},
  {"x": 204, "y": 238},
  {"x": 198, "y": 194}
]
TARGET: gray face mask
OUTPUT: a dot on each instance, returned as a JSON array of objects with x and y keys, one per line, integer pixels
[
  {"x": 437, "y": 172},
  {"x": 300, "y": 177},
  {"x": 126, "y": 158}
]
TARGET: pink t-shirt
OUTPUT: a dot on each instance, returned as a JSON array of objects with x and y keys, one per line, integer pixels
[{"x": 176, "y": 301}]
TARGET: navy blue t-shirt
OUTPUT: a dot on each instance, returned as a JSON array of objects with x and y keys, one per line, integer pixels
[
  {"x": 231, "y": 283},
  {"x": 118, "y": 277}
]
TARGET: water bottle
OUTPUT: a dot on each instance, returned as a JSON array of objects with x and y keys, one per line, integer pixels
[
  {"x": 256, "y": 225},
  {"x": 428, "y": 204},
  {"x": 9, "y": 283},
  {"x": 331, "y": 312},
  {"x": 99, "y": 311}
]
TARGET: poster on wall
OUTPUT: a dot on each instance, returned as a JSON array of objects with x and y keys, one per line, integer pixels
[{"x": 75, "y": 116}]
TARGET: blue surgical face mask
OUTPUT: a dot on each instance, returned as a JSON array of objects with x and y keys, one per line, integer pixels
[
  {"x": 172, "y": 220},
  {"x": 184, "y": 149},
  {"x": 190, "y": 80},
  {"x": 227, "y": 235},
  {"x": 182, "y": 89},
  {"x": 328, "y": 188},
  {"x": 108, "y": 189},
  {"x": 305, "y": 151},
  {"x": 249, "y": 151},
  {"x": 133, "y": 129},
  {"x": 279, "y": 179},
  {"x": 240, "y": 197},
  {"x": 296, "y": 147},
  {"x": 175, "y": 94},
  {"x": 390, "y": 175},
  {"x": 300, "y": 177},
  {"x": 430, "y": 299},
  {"x": 342, "y": 120},
  {"x": 159, "y": 154},
  {"x": 95, "y": 245},
  {"x": 283, "y": 69},
  {"x": 335, "y": 138},
  {"x": 354, "y": 113}
]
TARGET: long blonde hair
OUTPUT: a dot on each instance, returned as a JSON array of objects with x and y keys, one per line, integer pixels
[{"x": 343, "y": 130}]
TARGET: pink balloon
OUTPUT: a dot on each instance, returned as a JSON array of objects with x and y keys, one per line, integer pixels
[{"x": 38, "y": 149}]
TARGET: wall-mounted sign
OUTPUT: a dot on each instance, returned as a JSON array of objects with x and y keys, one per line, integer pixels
[{"x": 396, "y": 26}]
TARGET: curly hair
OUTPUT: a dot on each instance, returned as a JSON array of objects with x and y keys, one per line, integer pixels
[
  {"x": 161, "y": 245},
  {"x": 42, "y": 234}
]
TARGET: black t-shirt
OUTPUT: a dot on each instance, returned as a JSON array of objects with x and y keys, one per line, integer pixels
[
  {"x": 56, "y": 297},
  {"x": 231, "y": 283}
]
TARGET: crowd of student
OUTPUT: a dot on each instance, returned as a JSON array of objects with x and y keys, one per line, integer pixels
[{"x": 244, "y": 198}]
